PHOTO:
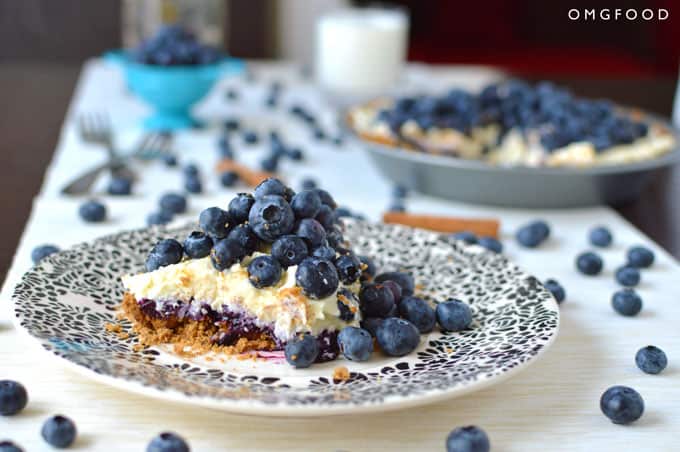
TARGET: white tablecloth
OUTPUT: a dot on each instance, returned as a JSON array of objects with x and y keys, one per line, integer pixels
[{"x": 553, "y": 405}]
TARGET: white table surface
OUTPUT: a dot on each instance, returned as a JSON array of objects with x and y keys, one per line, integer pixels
[{"x": 552, "y": 406}]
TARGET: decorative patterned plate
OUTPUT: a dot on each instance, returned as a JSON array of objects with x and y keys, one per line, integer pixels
[{"x": 65, "y": 302}]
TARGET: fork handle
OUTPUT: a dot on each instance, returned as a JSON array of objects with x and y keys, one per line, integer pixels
[{"x": 85, "y": 181}]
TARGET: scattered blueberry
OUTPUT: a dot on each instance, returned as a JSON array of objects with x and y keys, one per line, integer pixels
[
  {"x": 301, "y": 351},
  {"x": 490, "y": 244},
  {"x": 311, "y": 231},
  {"x": 640, "y": 257},
  {"x": 225, "y": 253},
  {"x": 356, "y": 344},
  {"x": 468, "y": 439},
  {"x": 628, "y": 276},
  {"x": 376, "y": 299},
  {"x": 271, "y": 217},
  {"x": 466, "y": 236},
  {"x": 197, "y": 245},
  {"x": 215, "y": 222},
  {"x": 13, "y": 397},
  {"x": 42, "y": 251},
  {"x": 419, "y": 312},
  {"x": 59, "y": 431},
  {"x": 600, "y": 236},
  {"x": 627, "y": 302},
  {"x": 651, "y": 359},
  {"x": 622, "y": 405},
  {"x": 556, "y": 289},
  {"x": 9, "y": 446},
  {"x": 250, "y": 137},
  {"x": 239, "y": 207},
  {"x": 270, "y": 164},
  {"x": 232, "y": 124},
  {"x": 158, "y": 218},
  {"x": 193, "y": 184},
  {"x": 533, "y": 234},
  {"x": 190, "y": 170},
  {"x": 405, "y": 280},
  {"x": 165, "y": 252},
  {"x": 454, "y": 315},
  {"x": 120, "y": 186},
  {"x": 168, "y": 442},
  {"x": 295, "y": 154},
  {"x": 306, "y": 204},
  {"x": 173, "y": 203},
  {"x": 92, "y": 211},
  {"x": 289, "y": 250},
  {"x": 317, "y": 277},
  {"x": 228, "y": 178},
  {"x": 264, "y": 271},
  {"x": 589, "y": 263},
  {"x": 397, "y": 337}
]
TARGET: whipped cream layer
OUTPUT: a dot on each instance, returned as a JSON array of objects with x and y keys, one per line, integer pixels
[{"x": 283, "y": 307}]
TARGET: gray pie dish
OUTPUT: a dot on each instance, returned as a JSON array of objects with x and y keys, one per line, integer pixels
[{"x": 478, "y": 182}]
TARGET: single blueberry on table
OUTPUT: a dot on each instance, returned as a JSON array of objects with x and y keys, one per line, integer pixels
[
  {"x": 239, "y": 207},
  {"x": 119, "y": 186},
  {"x": 533, "y": 234},
  {"x": 225, "y": 253},
  {"x": 244, "y": 236},
  {"x": 271, "y": 217},
  {"x": 311, "y": 231},
  {"x": 600, "y": 237},
  {"x": 270, "y": 164},
  {"x": 173, "y": 203},
  {"x": 418, "y": 312},
  {"x": 453, "y": 315},
  {"x": 348, "y": 267},
  {"x": 556, "y": 289},
  {"x": 59, "y": 431},
  {"x": 301, "y": 351},
  {"x": 42, "y": 251},
  {"x": 627, "y": 302},
  {"x": 270, "y": 186},
  {"x": 289, "y": 250},
  {"x": 651, "y": 359},
  {"x": 397, "y": 337},
  {"x": 228, "y": 178},
  {"x": 190, "y": 170},
  {"x": 165, "y": 252},
  {"x": 13, "y": 397},
  {"x": 295, "y": 154},
  {"x": 640, "y": 257},
  {"x": 232, "y": 124},
  {"x": 250, "y": 137},
  {"x": 395, "y": 289},
  {"x": 197, "y": 245},
  {"x": 405, "y": 280},
  {"x": 347, "y": 304},
  {"x": 589, "y": 263},
  {"x": 168, "y": 442},
  {"x": 622, "y": 405},
  {"x": 9, "y": 446},
  {"x": 192, "y": 184},
  {"x": 465, "y": 236},
  {"x": 490, "y": 244},
  {"x": 264, "y": 271},
  {"x": 376, "y": 299},
  {"x": 356, "y": 344},
  {"x": 468, "y": 439},
  {"x": 92, "y": 211},
  {"x": 306, "y": 204},
  {"x": 628, "y": 276},
  {"x": 159, "y": 218},
  {"x": 324, "y": 252},
  {"x": 215, "y": 222},
  {"x": 317, "y": 277}
]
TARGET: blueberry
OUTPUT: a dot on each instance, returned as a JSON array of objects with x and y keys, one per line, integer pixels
[
  {"x": 197, "y": 245},
  {"x": 454, "y": 315},
  {"x": 347, "y": 304},
  {"x": 311, "y": 231},
  {"x": 301, "y": 351},
  {"x": 368, "y": 268},
  {"x": 225, "y": 253},
  {"x": 627, "y": 302},
  {"x": 289, "y": 250},
  {"x": 92, "y": 211},
  {"x": 377, "y": 300},
  {"x": 356, "y": 344},
  {"x": 270, "y": 164},
  {"x": 271, "y": 217},
  {"x": 119, "y": 186},
  {"x": 343, "y": 212},
  {"x": 308, "y": 184},
  {"x": 371, "y": 324},
  {"x": 250, "y": 137},
  {"x": 244, "y": 236},
  {"x": 317, "y": 277},
  {"x": 170, "y": 160},
  {"x": 225, "y": 149},
  {"x": 651, "y": 359},
  {"x": 490, "y": 244},
  {"x": 348, "y": 267},
  {"x": 173, "y": 202},
  {"x": 640, "y": 257},
  {"x": 306, "y": 204},
  {"x": 533, "y": 234},
  {"x": 295, "y": 154},
  {"x": 418, "y": 312},
  {"x": 13, "y": 397},
  {"x": 397, "y": 337},
  {"x": 264, "y": 271},
  {"x": 193, "y": 184},
  {"x": 228, "y": 178},
  {"x": 622, "y": 405},
  {"x": 466, "y": 236},
  {"x": 589, "y": 263},
  {"x": 335, "y": 238},
  {"x": 468, "y": 439},
  {"x": 190, "y": 170},
  {"x": 158, "y": 218},
  {"x": 399, "y": 191},
  {"x": 59, "y": 431},
  {"x": 9, "y": 446},
  {"x": 405, "y": 280},
  {"x": 42, "y": 251},
  {"x": 270, "y": 186},
  {"x": 168, "y": 442},
  {"x": 324, "y": 252},
  {"x": 232, "y": 124},
  {"x": 556, "y": 289},
  {"x": 600, "y": 236},
  {"x": 326, "y": 217},
  {"x": 165, "y": 252},
  {"x": 395, "y": 289},
  {"x": 628, "y": 276},
  {"x": 215, "y": 222},
  {"x": 396, "y": 206},
  {"x": 326, "y": 198},
  {"x": 239, "y": 207}
]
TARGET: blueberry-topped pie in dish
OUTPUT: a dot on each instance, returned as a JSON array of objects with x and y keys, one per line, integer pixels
[{"x": 514, "y": 123}]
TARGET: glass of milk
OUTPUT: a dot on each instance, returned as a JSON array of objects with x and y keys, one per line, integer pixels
[{"x": 360, "y": 52}]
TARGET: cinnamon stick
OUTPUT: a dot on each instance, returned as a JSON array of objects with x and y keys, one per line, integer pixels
[
  {"x": 479, "y": 226},
  {"x": 249, "y": 176}
]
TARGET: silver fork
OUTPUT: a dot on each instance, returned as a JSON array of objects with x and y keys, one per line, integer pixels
[
  {"x": 96, "y": 128},
  {"x": 151, "y": 144}
]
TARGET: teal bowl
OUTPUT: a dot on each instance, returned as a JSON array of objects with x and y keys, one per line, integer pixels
[{"x": 172, "y": 90}]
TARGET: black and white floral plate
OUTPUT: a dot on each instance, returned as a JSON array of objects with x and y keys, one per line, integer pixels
[{"x": 65, "y": 302}]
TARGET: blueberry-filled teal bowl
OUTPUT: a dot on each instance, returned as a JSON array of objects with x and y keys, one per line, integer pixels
[{"x": 172, "y": 90}]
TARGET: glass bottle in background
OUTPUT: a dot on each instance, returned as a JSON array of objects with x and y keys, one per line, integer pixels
[{"x": 142, "y": 18}]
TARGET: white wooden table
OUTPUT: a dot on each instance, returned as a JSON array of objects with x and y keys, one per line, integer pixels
[{"x": 552, "y": 406}]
